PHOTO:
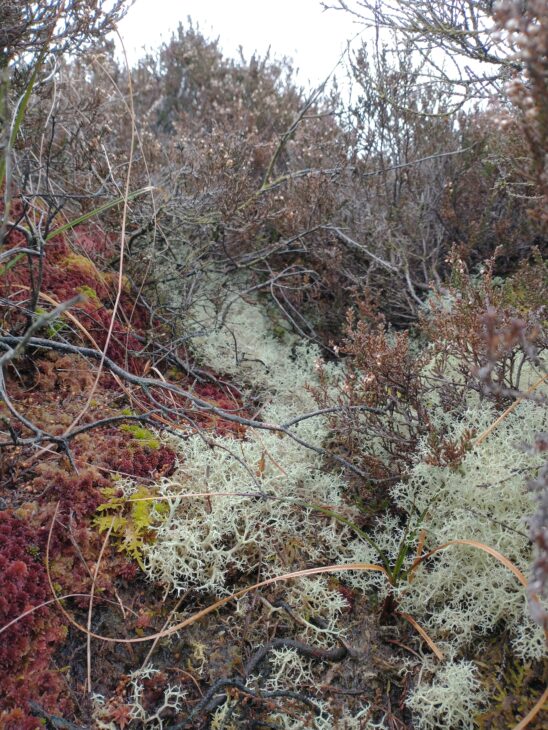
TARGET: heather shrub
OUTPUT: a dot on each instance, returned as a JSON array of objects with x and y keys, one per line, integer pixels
[
  {"x": 477, "y": 335},
  {"x": 483, "y": 498},
  {"x": 525, "y": 30},
  {"x": 258, "y": 214}
]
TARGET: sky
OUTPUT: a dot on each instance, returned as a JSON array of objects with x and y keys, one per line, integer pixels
[{"x": 296, "y": 28}]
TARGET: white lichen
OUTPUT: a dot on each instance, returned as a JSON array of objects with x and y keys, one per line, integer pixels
[
  {"x": 172, "y": 703},
  {"x": 202, "y": 542},
  {"x": 463, "y": 593},
  {"x": 466, "y": 592},
  {"x": 449, "y": 701}
]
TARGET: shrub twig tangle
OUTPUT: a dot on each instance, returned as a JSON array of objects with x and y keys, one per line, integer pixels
[{"x": 272, "y": 376}]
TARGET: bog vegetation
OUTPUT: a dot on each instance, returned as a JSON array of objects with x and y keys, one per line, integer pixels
[{"x": 273, "y": 420}]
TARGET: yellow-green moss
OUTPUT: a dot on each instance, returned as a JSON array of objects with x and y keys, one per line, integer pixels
[
  {"x": 130, "y": 519},
  {"x": 90, "y": 293},
  {"x": 53, "y": 327},
  {"x": 143, "y": 435},
  {"x": 81, "y": 263},
  {"x": 513, "y": 690}
]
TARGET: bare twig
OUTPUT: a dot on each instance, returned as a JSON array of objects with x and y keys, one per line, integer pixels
[{"x": 202, "y": 405}]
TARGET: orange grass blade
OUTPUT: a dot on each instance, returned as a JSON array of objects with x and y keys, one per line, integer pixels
[
  {"x": 76, "y": 322},
  {"x": 480, "y": 546},
  {"x": 481, "y": 438},
  {"x": 239, "y": 594},
  {"x": 223, "y": 601},
  {"x": 422, "y": 632},
  {"x": 491, "y": 551},
  {"x": 420, "y": 546},
  {"x": 91, "y": 596}
]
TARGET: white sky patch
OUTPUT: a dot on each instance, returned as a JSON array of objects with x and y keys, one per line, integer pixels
[{"x": 299, "y": 29}]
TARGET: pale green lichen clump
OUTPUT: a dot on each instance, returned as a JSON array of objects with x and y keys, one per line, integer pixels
[
  {"x": 467, "y": 591},
  {"x": 462, "y": 595},
  {"x": 450, "y": 700},
  {"x": 199, "y": 542}
]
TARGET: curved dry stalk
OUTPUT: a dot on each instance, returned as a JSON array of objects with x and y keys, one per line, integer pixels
[
  {"x": 223, "y": 601},
  {"x": 481, "y": 438},
  {"x": 208, "y": 609},
  {"x": 68, "y": 314},
  {"x": 91, "y": 595},
  {"x": 490, "y": 551},
  {"x": 418, "y": 553},
  {"x": 480, "y": 546},
  {"x": 166, "y": 624},
  {"x": 541, "y": 704},
  {"x": 131, "y": 112},
  {"x": 119, "y": 287},
  {"x": 31, "y": 610},
  {"x": 270, "y": 581},
  {"x": 234, "y": 596},
  {"x": 418, "y": 628}
]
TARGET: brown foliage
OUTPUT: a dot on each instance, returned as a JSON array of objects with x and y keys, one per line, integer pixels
[{"x": 474, "y": 334}]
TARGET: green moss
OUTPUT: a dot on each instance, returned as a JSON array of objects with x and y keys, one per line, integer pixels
[
  {"x": 279, "y": 332},
  {"x": 143, "y": 435},
  {"x": 53, "y": 327},
  {"x": 90, "y": 293},
  {"x": 279, "y": 329},
  {"x": 33, "y": 550},
  {"x": 81, "y": 263},
  {"x": 526, "y": 290}
]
